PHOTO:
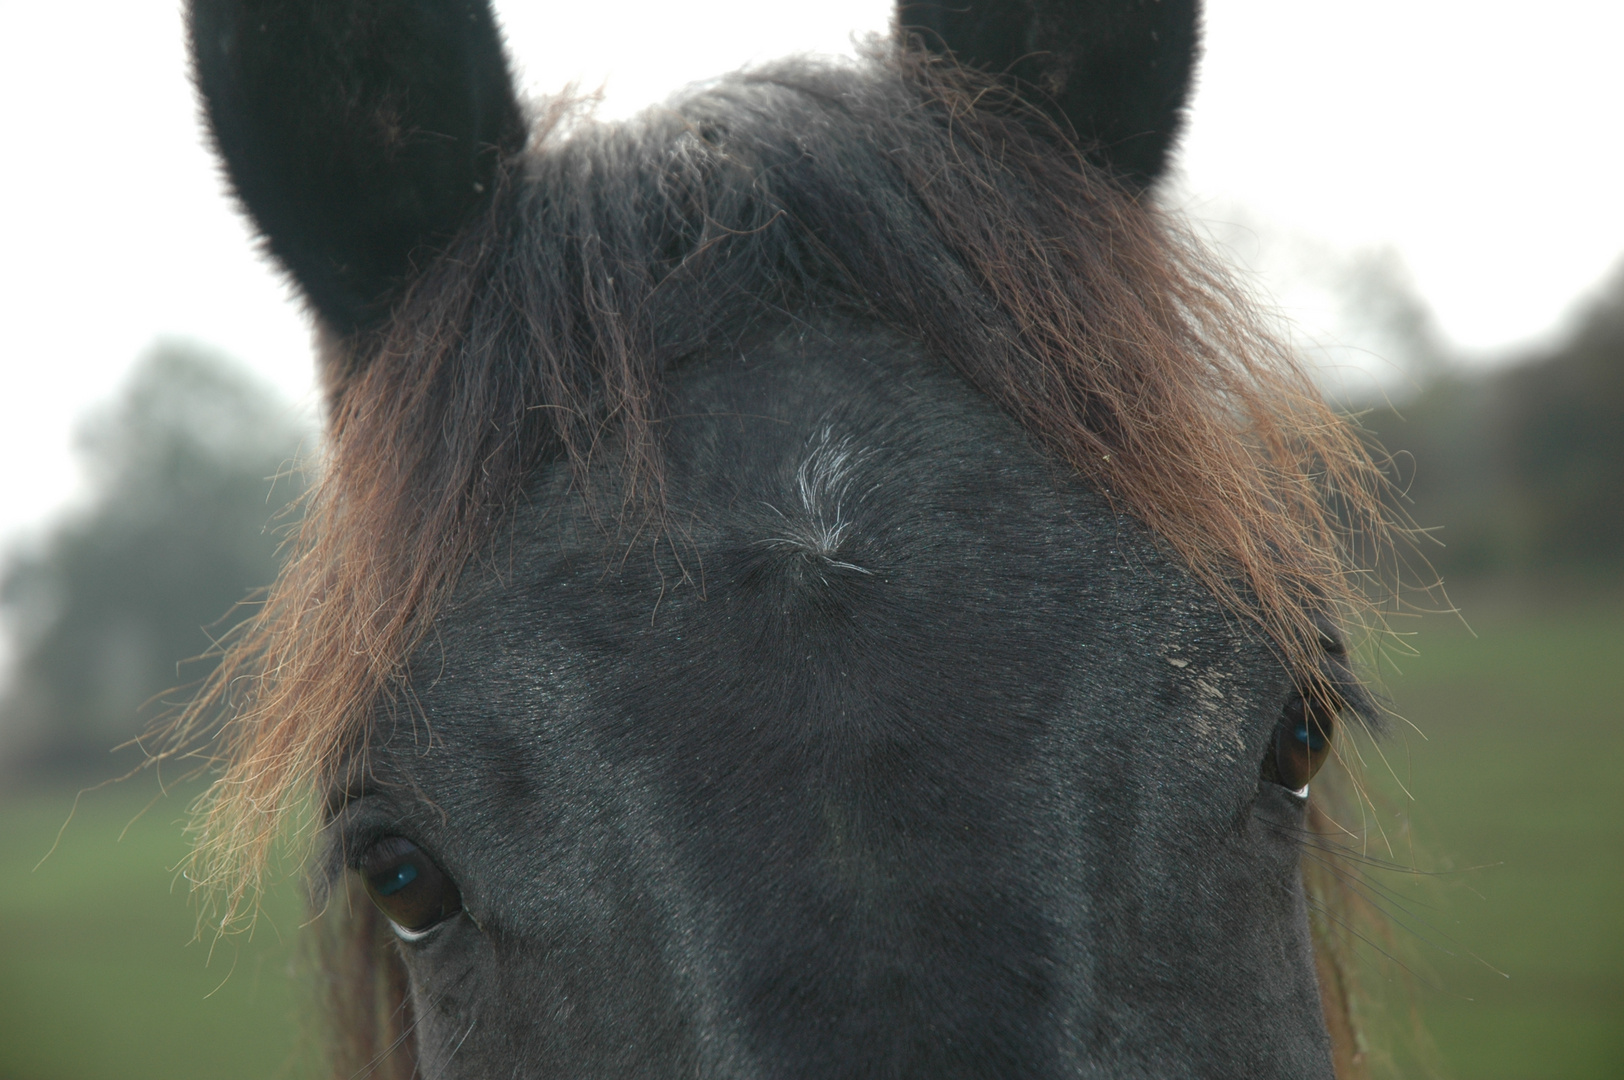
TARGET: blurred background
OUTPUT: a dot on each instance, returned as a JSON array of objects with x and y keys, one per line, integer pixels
[{"x": 1426, "y": 193}]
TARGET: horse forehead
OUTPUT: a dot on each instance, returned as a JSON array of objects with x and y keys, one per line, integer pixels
[
  {"x": 835, "y": 430},
  {"x": 820, "y": 457},
  {"x": 855, "y": 540}
]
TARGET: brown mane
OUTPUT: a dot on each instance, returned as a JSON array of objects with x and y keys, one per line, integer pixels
[{"x": 924, "y": 197}]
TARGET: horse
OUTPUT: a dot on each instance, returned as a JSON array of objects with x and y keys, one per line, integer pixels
[{"x": 824, "y": 578}]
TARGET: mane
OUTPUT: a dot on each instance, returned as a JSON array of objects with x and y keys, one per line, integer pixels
[{"x": 902, "y": 190}]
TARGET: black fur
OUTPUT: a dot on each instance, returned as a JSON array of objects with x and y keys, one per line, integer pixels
[
  {"x": 359, "y": 134},
  {"x": 969, "y": 792},
  {"x": 1117, "y": 73}
]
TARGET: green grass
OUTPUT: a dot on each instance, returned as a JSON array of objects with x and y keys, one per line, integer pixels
[
  {"x": 101, "y": 973},
  {"x": 1519, "y": 802},
  {"x": 1518, "y": 790}
]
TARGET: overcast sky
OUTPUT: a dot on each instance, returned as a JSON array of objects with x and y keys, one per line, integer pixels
[{"x": 1476, "y": 143}]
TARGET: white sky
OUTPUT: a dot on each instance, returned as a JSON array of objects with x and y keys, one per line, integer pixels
[{"x": 1477, "y": 140}]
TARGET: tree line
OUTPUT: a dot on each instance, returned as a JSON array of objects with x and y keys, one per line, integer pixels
[
  {"x": 190, "y": 468},
  {"x": 1519, "y": 470}
]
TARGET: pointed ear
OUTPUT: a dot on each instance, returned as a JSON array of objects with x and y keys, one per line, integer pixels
[
  {"x": 1117, "y": 71},
  {"x": 359, "y": 134}
]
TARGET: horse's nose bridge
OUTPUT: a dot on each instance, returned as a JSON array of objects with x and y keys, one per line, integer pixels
[
  {"x": 860, "y": 860},
  {"x": 841, "y": 923}
]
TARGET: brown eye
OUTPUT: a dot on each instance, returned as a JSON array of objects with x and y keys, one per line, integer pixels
[
  {"x": 1302, "y": 742},
  {"x": 408, "y": 888}
]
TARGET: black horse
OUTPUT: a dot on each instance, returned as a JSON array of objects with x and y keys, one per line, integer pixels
[{"x": 821, "y": 580}]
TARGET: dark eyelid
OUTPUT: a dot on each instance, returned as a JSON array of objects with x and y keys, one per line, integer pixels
[
  {"x": 355, "y": 820},
  {"x": 340, "y": 796}
]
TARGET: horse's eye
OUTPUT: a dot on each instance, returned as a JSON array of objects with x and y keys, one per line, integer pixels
[
  {"x": 408, "y": 888},
  {"x": 1302, "y": 742}
]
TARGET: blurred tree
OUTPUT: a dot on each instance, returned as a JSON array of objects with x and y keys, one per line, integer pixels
[
  {"x": 1561, "y": 442},
  {"x": 178, "y": 529},
  {"x": 1521, "y": 468}
]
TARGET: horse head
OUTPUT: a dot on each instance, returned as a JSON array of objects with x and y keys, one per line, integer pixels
[{"x": 820, "y": 580}]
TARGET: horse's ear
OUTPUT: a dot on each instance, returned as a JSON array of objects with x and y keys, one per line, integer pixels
[
  {"x": 359, "y": 134},
  {"x": 1117, "y": 71}
]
